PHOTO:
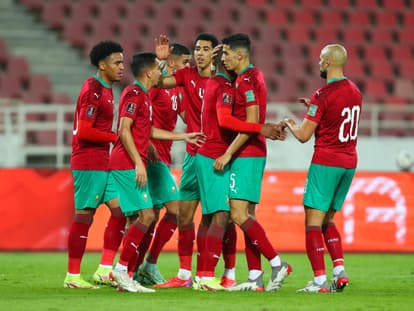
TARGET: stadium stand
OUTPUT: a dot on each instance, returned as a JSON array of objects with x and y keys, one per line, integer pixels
[{"x": 287, "y": 36}]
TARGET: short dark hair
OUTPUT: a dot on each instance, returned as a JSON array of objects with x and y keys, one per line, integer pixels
[
  {"x": 207, "y": 37},
  {"x": 142, "y": 61},
  {"x": 102, "y": 50},
  {"x": 238, "y": 40},
  {"x": 179, "y": 49}
]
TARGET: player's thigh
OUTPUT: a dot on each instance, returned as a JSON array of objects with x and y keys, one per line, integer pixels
[
  {"x": 132, "y": 198},
  {"x": 161, "y": 184},
  {"x": 342, "y": 189},
  {"x": 214, "y": 186},
  {"x": 89, "y": 188},
  {"x": 246, "y": 178},
  {"x": 189, "y": 189}
]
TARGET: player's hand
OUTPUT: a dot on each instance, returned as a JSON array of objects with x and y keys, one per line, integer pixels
[
  {"x": 305, "y": 101},
  {"x": 141, "y": 174},
  {"x": 162, "y": 47},
  {"x": 289, "y": 122},
  {"x": 196, "y": 138},
  {"x": 282, "y": 130},
  {"x": 221, "y": 162},
  {"x": 270, "y": 130},
  {"x": 152, "y": 153}
]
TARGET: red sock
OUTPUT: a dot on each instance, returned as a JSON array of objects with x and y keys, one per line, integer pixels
[
  {"x": 229, "y": 246},
  {"x": 201, "y": 249},
  {"x": 144, "y": 245},
  {"x": 315, "y": 249},
  {"x": 253, "y": 259},
  {"x": 114, "y": 232},
  {"x": 214, "y": 244},
  {"x": 133, "y": 238},
  {"x": 78, "y": 236},
  {"x": 163, "y": 234},
  {"x": 258, "y": 237},
  {"x": 333, "y": 243},
  {"x": 186, "y": 237}
]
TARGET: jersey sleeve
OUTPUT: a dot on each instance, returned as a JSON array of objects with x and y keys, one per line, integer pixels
[
  {"x": 181, "y": 75},
  {"x": 130, "y": 106},
  {"x": 89, "y": 106},
  {"x": 316, "y": 107}
]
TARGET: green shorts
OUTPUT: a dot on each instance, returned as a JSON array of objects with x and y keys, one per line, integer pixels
[
  {"x": 214, "y": 186},
  {"x": 246, "y": 178},
  {"x": 326, "y": 187},
  {"x": 92, "y": 188},
  {"x": 131, "y": 197},
  {"x": 161, "y": 184},
  {"x": 189, "y": 189}
]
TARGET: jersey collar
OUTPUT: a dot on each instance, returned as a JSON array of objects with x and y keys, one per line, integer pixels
[
  {"x": 141, "y": 86},
  {"x": 102, "y": 82},
  {"x": 246, "y": 68},
  {"x": 335, "y": 79},
  {"x": 221, "y": 74}
]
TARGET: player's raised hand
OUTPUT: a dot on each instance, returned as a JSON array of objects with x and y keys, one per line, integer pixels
[
  {"x": 196, "y": 138},
  {"x": 305, "y": 101},
  {"x": 162, "y": 47}
]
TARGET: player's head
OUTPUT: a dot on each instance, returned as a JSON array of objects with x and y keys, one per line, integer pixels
[
  {"x": 236, "y": 51},
  {"x": 332, "y": 58},
  {"x": 219, "y": 64},
  {"x": 180, "y": 56},
  {"x": 108, "y": 58},
  {"x": 204, "y": 44},
  {"x": 145, "y": 68}
]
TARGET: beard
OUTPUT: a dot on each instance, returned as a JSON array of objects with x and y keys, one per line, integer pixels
[{"x": 323, "y": 74}]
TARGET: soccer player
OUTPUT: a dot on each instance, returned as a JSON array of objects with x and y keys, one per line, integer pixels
[
  {"x": 193, "y": 80},
  {"x": 333, "y": 116},
  {"x": 92, "y": 135},
  {"x": 248, "y": 164},
  {"x": 167, "y": 104},
  {"x": 215, "y": 184},
  {"x": 128, "y": 163}
]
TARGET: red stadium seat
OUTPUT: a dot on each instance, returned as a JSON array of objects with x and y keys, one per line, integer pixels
[
  {"x": 55, "y": 13},
  {"x": 4, "y": 55},
  {"x": 325, "y": 35},
  {"x": 402, "y": 53},
  {"x": 304, "y": 18},
  {"x": 18, "y": 67},
  {"x": 406, "y": 69},
  {"x": 276, "y": 17},
  {"x": 256, "y": 3},
  {"x": 354, "y": 69},
  {"x": 375, "y": 53},
  {"x": 406, "y": 36},
  {"x": 394, "y": 4},
  {"x": 358, "y": 18},
  {"x": 76, "y": 32},
  {"x": 367, "y": 4},
  {"x": 331, "y": 18},
  {"x": 382, "y": 35},
  {"x": 353, "y": 35},
  {"x": 298, "y": 34},
  {"x": 40, "y": 88},
  {"x": 375, "y": 90},
  {"x": 386, "y": 19},
  {"x": 10, "y": 87},
  {"x": 408, "y": 18},
  {"x": 379, "y": 69}
]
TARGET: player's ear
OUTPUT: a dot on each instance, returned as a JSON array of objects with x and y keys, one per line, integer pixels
[{"x": 102, "y": 65}]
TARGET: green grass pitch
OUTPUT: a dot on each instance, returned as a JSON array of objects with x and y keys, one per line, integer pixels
[{"x": 33, "y": 281}]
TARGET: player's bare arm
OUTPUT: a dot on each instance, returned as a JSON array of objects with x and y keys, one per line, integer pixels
[
  {"x": 302, "y": 132},
  {"x": 196, "y": 138},
  {"x": 127, "y": 140}
]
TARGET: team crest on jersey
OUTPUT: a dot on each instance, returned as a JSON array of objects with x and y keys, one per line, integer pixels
[
  {"x": 90, "y": 111},
  {"x": 312, "y": 110},
  {"x": 131, "y": 107},
  {"x": 226, "y": 98}
]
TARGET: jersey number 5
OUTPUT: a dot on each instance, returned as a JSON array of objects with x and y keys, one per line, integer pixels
[{"x": 349, "y": 132}]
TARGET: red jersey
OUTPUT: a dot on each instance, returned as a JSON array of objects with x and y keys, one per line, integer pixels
[
  {"x": 336, "y": 108},
  {"x": 135, "y": 103},
  {"x": 194, "y": 86},
  {"x": 251, "y": 90},
  {"x": 166, "y": 105},
  {"x": 219, "y": 92},
  {"x": 95, "y": 104}
]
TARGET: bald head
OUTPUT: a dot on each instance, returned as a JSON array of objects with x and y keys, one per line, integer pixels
[
  {"x": 335, "y": 53},
  {"x": 332, "y": 61}
]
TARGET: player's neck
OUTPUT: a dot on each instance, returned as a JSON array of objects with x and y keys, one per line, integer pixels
[
  {"x": 103, "y": 77},
  {"x": 204, "y": 72},
  {"x": 242, "y": 66},
  {"x": 335, "y": 74}
]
